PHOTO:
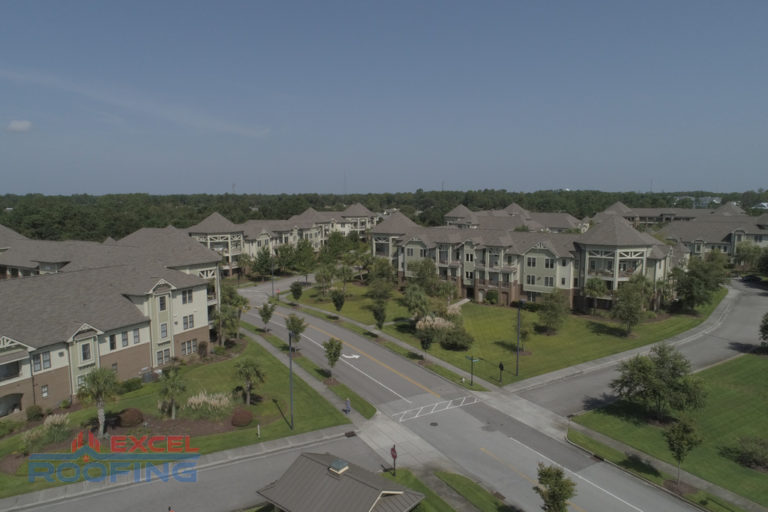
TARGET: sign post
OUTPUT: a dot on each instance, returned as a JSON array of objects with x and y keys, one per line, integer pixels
[
  {"x": 393, "y": 452},
  {"x": 472, "y": 361},
  {"x": 501, "y": 369}
]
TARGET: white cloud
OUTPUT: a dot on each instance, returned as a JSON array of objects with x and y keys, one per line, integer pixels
[
  {"x": 19, "y": 126},
  {"x": 116, "y": 97}
]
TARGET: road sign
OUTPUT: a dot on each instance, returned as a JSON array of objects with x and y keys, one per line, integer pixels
[{"x": 393, "y": 452}]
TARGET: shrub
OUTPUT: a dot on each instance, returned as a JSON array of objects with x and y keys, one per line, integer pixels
[
  {"x": 48, "y": 411},
  {"x": 204, "y": 404},
  {"x": 229, "y": 343},
  {"x": 34, "y": 413},
  {"x": 242, "y": 418},
  {"x": 492, "y": 296},
  {"x": 66, "y": 403},
  {"x": 29, "y": 440},
  {"x": 202, "y": 349},
  {"x": 56, "y": 427},
  {"x": 131, "y": 418},
  {"x": 219, "y": 350},
  {"x": 457, "y": 339},
  {"x": 129, "y": 385},
  {"x": 750, "y": 451},
  {"x": 296, "y": 290},
  {"x": 8, "y": 427}
]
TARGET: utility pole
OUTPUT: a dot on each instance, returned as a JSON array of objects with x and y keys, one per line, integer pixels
[
  {"x": 290, "y": 373},
  {"x": 520, "y": 304}
]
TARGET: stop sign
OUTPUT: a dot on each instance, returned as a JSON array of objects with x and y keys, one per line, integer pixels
[{"x": 393, "y": 452}]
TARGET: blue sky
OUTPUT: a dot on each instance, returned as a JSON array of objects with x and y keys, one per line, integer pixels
[{"x": 272, "y": 97}]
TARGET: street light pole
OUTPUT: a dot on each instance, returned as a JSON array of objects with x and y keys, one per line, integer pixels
[
  {"x": 290, "y": 373},
  {"x": 272, "y": 274},
  {"x": 520, "y": 304}
]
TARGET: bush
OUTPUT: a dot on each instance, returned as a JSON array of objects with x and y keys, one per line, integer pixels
[
  {"x": 206, "y": 405},
  {"x": 34, "y": 413},
  {"x": 219, "y": 350},
  {"x": 492, "y": 297},
  {"x": 131, "y": 418},
  {"x": 750, "y": 451},
  {"x": 56, "y": 427},
  {"x": 229, "y": 343},
  {"x": 202, "y": 349},
  {"x": 8, "y": 427},
  {"x": 242, "y": 418},
  {"x": 457, "y": 339},
  {"x": 296, "y": 290},
  {"x": 66, "y": 403},
  {"x": 129, "y": 385}
]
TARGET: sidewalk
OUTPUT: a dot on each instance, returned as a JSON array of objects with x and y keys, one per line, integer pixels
[{"x": 661, "y": 466}]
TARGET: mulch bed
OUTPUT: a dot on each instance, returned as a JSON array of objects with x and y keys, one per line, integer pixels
[{"x": 681, "y": 489}]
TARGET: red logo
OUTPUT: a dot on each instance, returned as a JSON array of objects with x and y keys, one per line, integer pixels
[{"x": 79, "y": 443}]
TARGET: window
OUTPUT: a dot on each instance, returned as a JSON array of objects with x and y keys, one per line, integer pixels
[
  {"x": 469, "y": 257},
  {"x": 563, "y": 262},
  {"x": 163, "y": 330},
  {"x": 125, "y": 338},
  {"x": 186, "y": 296},
  {"x": 409, "y": 252},
  {"x": 44, "y": 391},
  {"x": 549, "y": 263},
  {"x": 575, "y": 282},
  {"x": 468, "y": 275},
  {"x": 549, "y": 281},
  {"x": 136, "y": 338},
  {"x": 80, "y": 381},
  {"x": 112, "y": 342},
  {"x": 163, "y": 356},
  {"x": 85, "y": 352},
  {"x": 530, "y": 261},
  {"x": 41, "y": 361},
  {"x": 161, "y": 303},
  {"x": 562, "y": 281},
  {"x": 189, "y": 321},
  {"x": 530, "y": 279},
  {"x": 423, "y": 253},
  {"x": 189, "y": 347},
  {"x": 114, "y": 367}
]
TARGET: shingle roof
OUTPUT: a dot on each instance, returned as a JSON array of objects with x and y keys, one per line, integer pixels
[
  {"x": 711, "y": 229},
  {"x": 7, "y": 235},
  {"x": 615, "y": 231},
  {"x": 395, "y": 224},
  {"x": 516, "y": 209},
  {"x": 308, "y": 485},
  {"x": 460, "y": 211},
  {"x": 70, "y": 299},
  {"x": 169, "y": 246},
  {"x": 214, "y": 223},
  {"x": 618, "y": 207},
  {"x": 357, "y": 210}
]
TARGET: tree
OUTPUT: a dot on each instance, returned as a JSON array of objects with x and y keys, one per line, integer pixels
[
  {"x": 295, "y": 326},
  {"x": 416, "y": 301},
  {"x": 762, "y": 263},
  {"x": 747, "y": 255},
  {"x": 681, "y": 438},
  {"x": 248, "y": 371},
  {"x": 704, "y": 276},
  {"x": 100, "y": 385},
  {"x": 553, "y": 310},
  {"x": 425, "y": 275},
  {"x": 296, "y": 290},
  {"x": 554, "y": 488},
  {"x": 594, "y": 288},
  {"x": 284, "y": 257},
  {"x": 171, "y": 387},
  {"x": 337, "y": 296},
  {"x": 264, "y": 263},
  {"x": 332, "y": 352},
  {"x": 226, "y": 322},
  {"x": 629, "y": 304},
  {"x": 381, "y": 269},
  {"x": 232, "y": 304},
  {"x": 265, "y": 312},
  {"x": 324, "y": 278},
  {"x": 379, "y": 310},
  {"x": 380, "y": 290},
  {"x": 659, "y": 380},
  {"x": 345, "y": 273},
  {"x": 304, "y": 258}
]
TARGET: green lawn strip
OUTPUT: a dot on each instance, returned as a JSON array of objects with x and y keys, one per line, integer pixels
[
  {"x": 356, "y": 304},
  {"x": 341, "y": 390},
  {"x": 311, "y": 411},
  {"x": 431, "y": 502},
  {"x": 483, "y": 500},
  {"x": 643, "y": 470},
  {"x": 579, "y": 340},
  {"x": 734, "y": 390}
]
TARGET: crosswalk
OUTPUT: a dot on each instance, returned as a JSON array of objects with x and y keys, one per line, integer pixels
[{"x": 426, "y": 410}]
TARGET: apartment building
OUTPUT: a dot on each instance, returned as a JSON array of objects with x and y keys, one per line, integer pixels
[{"x": 130, "y": 306}]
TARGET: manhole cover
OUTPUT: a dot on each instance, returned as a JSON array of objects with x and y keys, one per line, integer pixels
[{"x": 433, "y": 424}]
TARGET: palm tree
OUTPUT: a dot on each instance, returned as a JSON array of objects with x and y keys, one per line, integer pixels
[
  {"x": 249, "y": 371},
  {"x": 100, "y": 386},
  {"x": 171, "y": 387}
]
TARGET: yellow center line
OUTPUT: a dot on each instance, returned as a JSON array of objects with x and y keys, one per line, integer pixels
[
  {"x": 525, "y": 476},
  {"x": 381, "y": 363}
]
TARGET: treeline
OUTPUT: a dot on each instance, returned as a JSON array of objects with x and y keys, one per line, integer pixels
[{"x": 87, "y": 217}]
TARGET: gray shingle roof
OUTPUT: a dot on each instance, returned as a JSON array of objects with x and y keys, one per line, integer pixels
[
  {"x": 47, "y": 309},
  {"x": 309, "y": 486},
  {"x": 395, "y": 224},
  {"x": 7, "y": 235},
  {"x": 711, "y": 229},
  {"x": 357, "y": 210},
  {"x": 169, "y": 246},
  {"x": 615, "y": 231},
  {"x": 214, "y": 223},
  {"x": 459, "y": 211}
]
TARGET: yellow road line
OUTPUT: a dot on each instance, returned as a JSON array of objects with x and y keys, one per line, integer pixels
[
  {"x": 525, "y": 476},
  {"x": 381, "y": 363}
]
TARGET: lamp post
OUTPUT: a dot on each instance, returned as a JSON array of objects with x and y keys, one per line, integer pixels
[
  {"x": 272, "y": 274},
  {"x": 520, "y": 304},
  {"x": 290, "y": 373}
]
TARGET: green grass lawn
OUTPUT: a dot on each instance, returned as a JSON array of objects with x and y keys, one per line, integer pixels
[
  {"x": 737, "y": 394},
  {"x": 431, "y": 502},
  {"x": 481, "y": 499},
  {"x": 356, "y": 304},
  {"x": 580, "y": 339},
  {"x": 311, "y": 411}
]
